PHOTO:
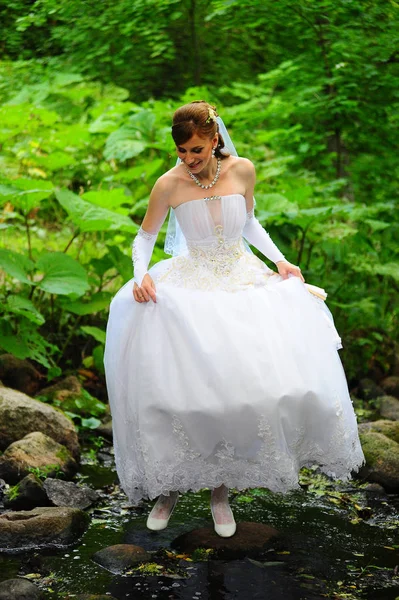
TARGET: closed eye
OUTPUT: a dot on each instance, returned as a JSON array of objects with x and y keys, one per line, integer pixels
[{"x": 196, "y": 150}]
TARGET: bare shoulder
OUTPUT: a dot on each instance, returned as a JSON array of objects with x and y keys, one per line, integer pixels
[
  {"x": 244, "y": 165},
  {"x": 165, "y": 185}
]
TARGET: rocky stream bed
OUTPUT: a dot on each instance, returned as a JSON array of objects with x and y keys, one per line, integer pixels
[{"x": 68, "y": 531}]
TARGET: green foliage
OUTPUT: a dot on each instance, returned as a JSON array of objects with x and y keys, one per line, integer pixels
[
  {"x": 201, "y": 554},
  {"x": 53, "y": 470},
  {"x": 13, "y": 492},
  {"x": 83, "y": 408}
]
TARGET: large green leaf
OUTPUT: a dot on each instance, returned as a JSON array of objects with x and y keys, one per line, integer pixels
[
  {"x": 110, "y": 199},
  {"x": 88, "y": 217},
  {"x": 97, "y": 303},
  {"x": 14, "y": 345},
  {"x": 141, "y": 171},
  {"x": 16, "y": 265},
  {"x": 56, "y": 160},
  {"x": 143, "y": 121},
  {"x": 121, "y": 262},
  {"x": 271, "y": 204},
  {"x": 20, "y": 305},
  {"x": 122, "y": 145},
  {"x": 25, "y": 194},
  {"x": 26, "y": 343},
  {"x": 390, "y": 269},
  {"x": 62, "y": 274},
  {"x": 98, "y": 334}
]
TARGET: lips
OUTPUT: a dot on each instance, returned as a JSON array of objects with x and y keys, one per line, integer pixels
[{"x": 195, "y": 165}]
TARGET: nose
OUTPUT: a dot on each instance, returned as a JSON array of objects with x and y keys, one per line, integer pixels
[{"x": 191, "y": 160}]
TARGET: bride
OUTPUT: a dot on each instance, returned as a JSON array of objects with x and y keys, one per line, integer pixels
[{"x": 220, "y": 371}]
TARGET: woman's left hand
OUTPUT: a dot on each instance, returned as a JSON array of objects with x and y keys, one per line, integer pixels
[{"x": 285, "y": 268}]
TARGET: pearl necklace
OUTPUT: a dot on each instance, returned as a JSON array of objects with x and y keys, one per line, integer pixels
[{"x": 197, "y": 181}]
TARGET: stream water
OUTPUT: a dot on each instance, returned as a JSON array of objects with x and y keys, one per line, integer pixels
[{"x": 336, "y": 541}]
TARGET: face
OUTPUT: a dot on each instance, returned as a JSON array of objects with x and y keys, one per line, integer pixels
[{"x": 196, "y": 152}]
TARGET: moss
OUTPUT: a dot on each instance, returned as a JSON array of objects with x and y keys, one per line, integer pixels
[
  {"x": 388, "y": 428},
  {"x": 378, "y": 448},
  {"x": 202, "y": 554},
  {"x": 63, "y": 454},
  {"x": 150, "y": 569}
]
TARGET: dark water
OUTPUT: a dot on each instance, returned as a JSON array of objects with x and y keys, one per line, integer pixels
[{"x": 329, "y": 547}]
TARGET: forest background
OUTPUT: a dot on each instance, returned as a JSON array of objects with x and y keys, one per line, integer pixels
[{"x": 309, "y": 91}]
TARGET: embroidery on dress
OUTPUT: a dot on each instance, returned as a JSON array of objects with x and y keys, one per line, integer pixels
[
  {"x": 224, "y": 264},
  {"x": 274, "y": 465}
]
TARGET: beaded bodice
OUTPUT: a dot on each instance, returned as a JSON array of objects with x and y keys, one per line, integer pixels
[{"x": 216, "y": 257}]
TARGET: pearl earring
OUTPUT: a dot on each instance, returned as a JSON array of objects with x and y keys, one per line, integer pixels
[{"x": 213, "y": 151}]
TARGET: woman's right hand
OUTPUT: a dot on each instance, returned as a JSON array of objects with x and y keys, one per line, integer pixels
[{"x": 146, "y": 291}]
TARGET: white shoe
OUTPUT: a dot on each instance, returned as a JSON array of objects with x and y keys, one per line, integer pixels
[
  {"x": 155, "y": 523},
  {"x": 224, "y": 529}
]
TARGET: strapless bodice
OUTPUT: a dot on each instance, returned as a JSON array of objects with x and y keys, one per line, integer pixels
[
  {"x": 207, "y": 220},
  {"x": 216, "y": 256}
]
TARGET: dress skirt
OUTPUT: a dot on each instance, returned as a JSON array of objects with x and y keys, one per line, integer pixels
[{"x": 242, "y": 388}]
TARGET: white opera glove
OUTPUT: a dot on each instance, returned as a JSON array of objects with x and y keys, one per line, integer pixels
[
  {"x": 256, "y": 235},
  {"x": 142, "y": 249}
]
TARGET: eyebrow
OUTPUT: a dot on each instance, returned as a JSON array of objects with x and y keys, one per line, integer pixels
[{"x": 194, "y": 147}]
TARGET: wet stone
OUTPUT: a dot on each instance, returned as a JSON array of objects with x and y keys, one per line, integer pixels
[
  {"x": 21, "y": 415},
  {"x": 249, "y": 539},
  {"x": 41, "y": 526},
  {"x": 375, "y": 488},
  {"x": 120, "y": 557},
  {"x": 19, "y": 589},
  {"x": 382, "y": 460},
  {"x": 27, "y": 494},
  {"x": 35, "y": 450},
  {"x": 67, "y": 493},
  {"x": 90, "y": 597}
]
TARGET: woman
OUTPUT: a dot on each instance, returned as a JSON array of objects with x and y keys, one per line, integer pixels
[{"x": 221, "y": 373}]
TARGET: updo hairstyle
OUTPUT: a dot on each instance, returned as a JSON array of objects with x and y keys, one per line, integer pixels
[{"x": 197, "y": 117}]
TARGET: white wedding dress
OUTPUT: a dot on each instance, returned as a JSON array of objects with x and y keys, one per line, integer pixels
[{"x": 232, "y": 376}]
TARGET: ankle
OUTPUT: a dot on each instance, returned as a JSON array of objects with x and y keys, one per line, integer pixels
[{"x": 220, "y": 494}]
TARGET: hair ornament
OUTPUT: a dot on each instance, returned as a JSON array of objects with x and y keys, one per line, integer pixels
[{"x": 212, "y": 115}]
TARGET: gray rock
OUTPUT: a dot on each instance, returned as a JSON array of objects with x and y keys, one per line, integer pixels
[
  {"x": 375, "y": 488},
  {"x": 36, "y": 450},
  {"x": 249, "y": 538},
  {"x": 367, "y": 389},
  {"x": 391, "y": 385},
  {"x": 20, "y": 415},
  {"x": 41, "y": 526},
  {"x": 67, "y": 493},
  {"x": 26, "y": 494},
  {"x": 120, "y": 557},
  {"x": 382, "y": 460},
  {"x": 389, "y": 407},
  {"x": 19, "y": 589}
]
